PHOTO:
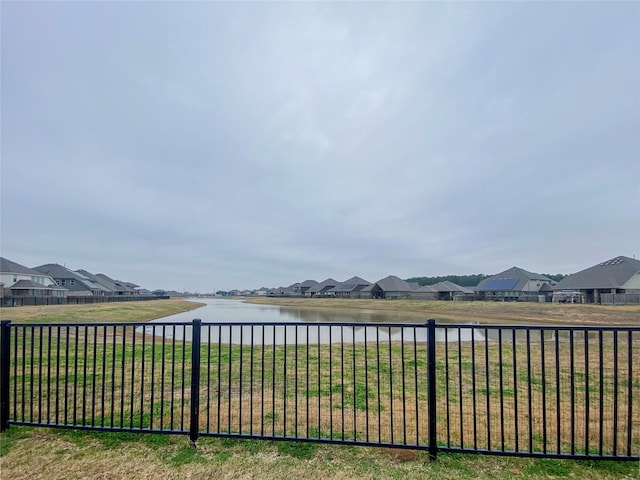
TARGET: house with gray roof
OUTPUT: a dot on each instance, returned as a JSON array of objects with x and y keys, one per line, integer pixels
[
  {"x": 613, "y": 281},
  {"x": 281, "y": 292},
  {"x": 426, "y": 292},
  {"x": 322, "y": 289},
  {"x": 19, "y": 281},
  {"x": 447, "y": 290},
  {"x": 77, "y": 284},
  {"x": 391, "y": 287},
  {"x": 300, "y": 289},
  {"x": 515, "y": 284},
  {"x": 351, "y": 288},
  {"x": 121, "y": 288},
  {"x": 115, "y": 287}
]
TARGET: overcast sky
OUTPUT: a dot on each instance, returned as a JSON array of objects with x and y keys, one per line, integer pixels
[{"x": 205, "y": 146}]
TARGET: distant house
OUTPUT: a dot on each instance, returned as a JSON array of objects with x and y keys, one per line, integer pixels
[
  {"x": 617, "y": 276},
  {"x": 322, "y": 289},
  {"x": 391, "y": 287},
  {"x": 132, "y": 286},
  {"x": 447, "y": 290},
  {"x": 300, "y": 289},
  {"x": 77, "y": 284},
  {"x": 114, "y": 287},
  {"x": 120, "y": 287},
  {"x": 175, "y": 294},
  {"x": 282, "y": 292},
  {"x": 515, "y": 284},
  {"x": 20, "y": 281},
  {"x": 351, "y": 288},
  {"x": 426, "y": 292}
]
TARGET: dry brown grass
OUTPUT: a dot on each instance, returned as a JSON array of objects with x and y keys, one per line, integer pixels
[
  {"x": 53, "y": 455},
  {"x": 99, "y": 312}
]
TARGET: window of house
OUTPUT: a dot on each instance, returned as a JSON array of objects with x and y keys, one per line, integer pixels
[{"x": 72, "y": 282}]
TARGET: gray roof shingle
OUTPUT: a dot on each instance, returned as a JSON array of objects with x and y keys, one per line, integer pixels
[
  {"x": 450, "y": 287},
  {"x": 613, "y": 273},
  {"x": 354, "y": 284},
  {"x": 518, "y": 276},
  {"x": 394, "y": 284},
  {"x": 7, "y": 266},
  {"x": 327, "y": 284},
  {"x": 57, "y": 271}
]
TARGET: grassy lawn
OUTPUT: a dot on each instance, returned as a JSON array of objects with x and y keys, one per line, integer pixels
[
  {"x": 32, "y": 453},
  {"x": 27, "y": 452},
  {"x": 99, "y": 312}
]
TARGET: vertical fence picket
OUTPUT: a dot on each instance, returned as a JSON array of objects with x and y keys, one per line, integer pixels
[
  {"x": 431, "y": 364},
  {"x": 194, "y": 429},
  {"x": 5, "y": 373}
]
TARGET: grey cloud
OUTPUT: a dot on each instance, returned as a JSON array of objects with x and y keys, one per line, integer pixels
[{"x": 241, "y": 145}]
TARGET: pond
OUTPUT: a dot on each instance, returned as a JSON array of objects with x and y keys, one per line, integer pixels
[
  {"x": 253, "y": 324},
  {"x": 236, "y": 311}
]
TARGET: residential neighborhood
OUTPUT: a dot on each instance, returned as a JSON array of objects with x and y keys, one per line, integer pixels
[
  {"x": 56, "y": 282},
  {"x": 612, "y": 282}
]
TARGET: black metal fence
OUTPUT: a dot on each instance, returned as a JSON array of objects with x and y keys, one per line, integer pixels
[
  {"x": 30, "y": 301},
  {"x": 544, "y": 391}
]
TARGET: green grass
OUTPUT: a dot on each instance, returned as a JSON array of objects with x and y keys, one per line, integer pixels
[
  {"x": 10, "y": 436},
  {"x": 299, "y": 450},
  {"x": 86, "y": 453},
  {"x": 353, "y": 385},
  {"x": 343, "y": 378},
  {"x": 186, "y": 455}
]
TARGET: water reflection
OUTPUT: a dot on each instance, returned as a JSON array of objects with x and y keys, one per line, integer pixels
[
  {"x": 236, "y": 311},
  {"x": 232, "y": 320},
  {"x": 292, "y": 334},
  {"x": 346, "y": 316},
  {"x": 304, "y": 326}
]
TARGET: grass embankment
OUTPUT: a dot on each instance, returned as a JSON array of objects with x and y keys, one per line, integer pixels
[
  {"x": 485, "y": 312},
  {"x": 98, "y": 312},
  {"x": 49, "y": 453}
]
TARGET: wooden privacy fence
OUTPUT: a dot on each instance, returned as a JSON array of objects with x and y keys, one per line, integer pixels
[
  {"x": 538, "y": 391},
  {"x": 30, "y": 301}
]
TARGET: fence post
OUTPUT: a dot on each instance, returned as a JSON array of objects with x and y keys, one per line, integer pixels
[
  {"x": 5, "y": 358},
  {"x": 194, "y": 426},
  {"x": 431, "y": 381}
]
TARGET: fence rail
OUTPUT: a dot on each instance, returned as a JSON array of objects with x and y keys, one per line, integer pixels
[{"x": 549, "y": 391}]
